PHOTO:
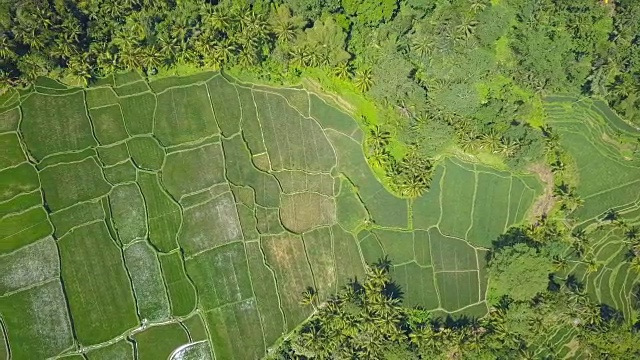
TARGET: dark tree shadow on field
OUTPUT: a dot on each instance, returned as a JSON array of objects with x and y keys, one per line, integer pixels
[
  {"x": 629, "y": 255},
  {"x": 611, "y": 315},
  {"x": 634, "y": 297},
  {"x": 573, "y": 284},
  {"x": 393, "y": 291},
  {"x": 383, "y": 263},
  {"x": 459, "y": 321},
  {"x": 504, "y": 303},
  {"x": 554, "y": 285},
  {"x": 513, "y": 236},
  {"x": 355, "y": 285},
  {"x": 611, "y": 215}
]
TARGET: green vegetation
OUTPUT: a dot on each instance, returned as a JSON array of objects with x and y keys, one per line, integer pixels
[
  {"x": 366, "y": 319},
  {"x": 240, "y": 238},
  {"x": 319, "y": 179},
  {"x": 515, "y": 265}
]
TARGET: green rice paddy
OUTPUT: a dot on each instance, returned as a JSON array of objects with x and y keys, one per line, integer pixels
[
  {"x": 170, "y": 218},
  {"x": 602, "y": 145}
]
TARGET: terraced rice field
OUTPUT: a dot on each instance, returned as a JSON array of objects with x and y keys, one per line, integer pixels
[
  {"x": 601, "y": 145},
  {"x": 168, "y": 219}
]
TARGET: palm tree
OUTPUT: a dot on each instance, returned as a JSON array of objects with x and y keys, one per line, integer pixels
[
  {"x": 411, "y": 187},
  {"x": 562, "y": 190},
  {"x": 298, "y": 55},
  {"x": 623, "y": 87},
  {"x": 247, "y": 58},
  {"x": 491, "y": 141},
  {"x": 467, "y": 27},
  {"x": 342, "y": 70},
  {"x": 257, "y": 26},
  {"x": 378, "y": 137},
  {"x": 527, "y": 354},
  {"x": 593, "y": 265},
  {"x": 477, "y": 5},
  {"x": 6, "y": 47},
  {"x": 285, "y": 26},
  {"x": 243, "y": 15},
  {"x": 80, "y": 70},
  {"x": 557, "y": 165},
  {"x": 579, "y": 242},
  {"x": 309, "y": 297},
  {"x": 508, "y": 147},
  {"x": 572, "y": 202},
  {"x": 130, "y": 58},
  {"x": 222, "y": 52},
  {"x": 551, "y": 136},
  {"x": 560, "y": 263},
  {"x": 150, "y": 59},
  {"x": 632, "y": 233},
  {"x": 611, "y": 215},
  {"x": 590, "y": 314},
  {"x": 114, "y": 9},
  {"x": 421, "y": 45},
  {"x": 383, "y": 263},
  {"x": 32, "y": 38},
  {"x": 220, "y": 19},
  {"x": 5, "y": 79},
  {"x": 285, "y": 31},
  {"x": 62, "y": 49},
  {"x": 468, "y": 140},
  {"x": 107, "y": 59},
  {"x": 364, "y": 79},
  {"x": 313, "y": 56},
  {"x": 378, "y": 157}
]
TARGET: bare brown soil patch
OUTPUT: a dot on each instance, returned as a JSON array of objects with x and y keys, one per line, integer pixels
[
  {"x": 545, "y": 202},
  {"x": 282, "y": 249},
  {"x": 302, "y": 212}
]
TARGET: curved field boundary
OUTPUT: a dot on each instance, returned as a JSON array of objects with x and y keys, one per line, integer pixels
[
  {"x": 608, "y": 173},
  {"x": 223, "y": 201}
]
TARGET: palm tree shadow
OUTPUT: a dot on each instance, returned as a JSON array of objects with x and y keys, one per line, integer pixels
[
  {"x": 355, "y": 285},
  {"x": 393, "y": 291},
  {"x": 459, "y": 321},
  {"x": 573, "y": 284},
  {"x": 610, "y": 314},
  {"x": 383, "y": 263},
  {"x": 553, "y": 285},
  {"x": 513, "y": 236},
  {"x": 629, "y": 255},
  {"x": 634, "y": 298}
]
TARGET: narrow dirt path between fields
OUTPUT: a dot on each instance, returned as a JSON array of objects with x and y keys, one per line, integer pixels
[
  {"x": 316, "y": 88},
  {"x": 545, "y": 202}
]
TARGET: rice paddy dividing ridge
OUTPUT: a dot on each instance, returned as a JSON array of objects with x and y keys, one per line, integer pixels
[{"x": 174, "y": 216}]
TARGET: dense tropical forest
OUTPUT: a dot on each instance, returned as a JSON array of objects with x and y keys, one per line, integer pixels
[{"x": 446, "y": 77}]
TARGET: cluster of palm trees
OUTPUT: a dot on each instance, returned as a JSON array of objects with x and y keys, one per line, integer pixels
[
  {"x": 490, "y": 141},
  {"x": 358, "y": 322},
  {"x": 366, "y": 320},
  {"x": 631, "y": 235},
  {"x": 98, "y": 37},
  {"x": 471, "y": 139},
  {"x": 546, "y": 229},
  {"x": 582, "y": 247},
  {"x": 568, "y": 197},
  {"x": 409, "y": 177}
]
